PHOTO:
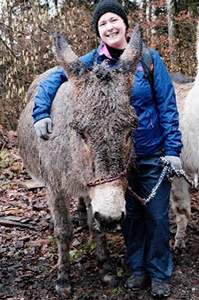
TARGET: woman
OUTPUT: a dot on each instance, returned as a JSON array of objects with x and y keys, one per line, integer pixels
[{"x": 146, "y": 228}]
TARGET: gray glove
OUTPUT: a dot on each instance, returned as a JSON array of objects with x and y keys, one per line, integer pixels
[
  {"x": 43, "y": 128},
  {"x": 174, "y": 161}
]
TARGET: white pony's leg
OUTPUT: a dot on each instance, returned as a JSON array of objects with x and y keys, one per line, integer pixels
[{"x": 181, "y": 207}]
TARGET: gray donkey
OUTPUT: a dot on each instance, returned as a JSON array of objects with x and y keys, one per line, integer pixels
[{"x": 89, "y": 151}]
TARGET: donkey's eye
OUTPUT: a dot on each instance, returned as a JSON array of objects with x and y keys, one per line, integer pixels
[
  {"x": 129, "y": 136},
  {"x": 84, "y": 138}
]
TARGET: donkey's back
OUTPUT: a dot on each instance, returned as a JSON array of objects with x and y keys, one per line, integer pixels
[{"x": 31, "y": 146}]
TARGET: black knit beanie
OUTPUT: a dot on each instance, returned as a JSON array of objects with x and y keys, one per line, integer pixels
[{"x": 105, "y": 6}]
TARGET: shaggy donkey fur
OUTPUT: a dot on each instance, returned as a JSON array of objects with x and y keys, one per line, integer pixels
[
  {"x": 188, "y": 105},
  {"x": 91, "y": 140}
]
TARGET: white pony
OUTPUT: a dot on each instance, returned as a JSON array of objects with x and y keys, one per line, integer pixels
[{"x": 188, "y": 106}]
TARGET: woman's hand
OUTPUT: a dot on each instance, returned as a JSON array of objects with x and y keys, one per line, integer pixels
[
  {"x": 43, "y": 128},
  {"x": 174, "y": 161}
]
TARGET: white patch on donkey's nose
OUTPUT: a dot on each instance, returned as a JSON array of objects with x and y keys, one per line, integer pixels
[{"x": 108, "y": 200}]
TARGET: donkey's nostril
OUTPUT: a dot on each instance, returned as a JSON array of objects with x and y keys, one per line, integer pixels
[
  {"x": 97, "y": 216},
  {"x": 122, "y": 217}
]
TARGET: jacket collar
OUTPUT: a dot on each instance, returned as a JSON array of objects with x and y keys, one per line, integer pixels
[{"x": 103, "y": 50}]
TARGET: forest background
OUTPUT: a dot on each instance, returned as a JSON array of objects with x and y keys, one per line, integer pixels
[{"x": 27, "y": 29}]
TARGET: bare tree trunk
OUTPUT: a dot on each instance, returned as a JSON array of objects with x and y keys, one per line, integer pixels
[
  {"x": 170, "y": 10},
  {"x": 144, "y": 9},
  {"x": 150, "y": 18}
]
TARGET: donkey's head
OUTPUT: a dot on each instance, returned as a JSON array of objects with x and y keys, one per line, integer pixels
[{"x": 102, "y": 126}]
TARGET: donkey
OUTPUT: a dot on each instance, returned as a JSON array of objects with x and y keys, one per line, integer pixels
[
  {"x": 188, "y": 106},
  {"x": 89, "y": 151}
]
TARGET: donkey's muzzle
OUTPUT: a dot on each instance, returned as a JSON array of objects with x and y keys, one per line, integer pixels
[{"x": 106, "y": 224}]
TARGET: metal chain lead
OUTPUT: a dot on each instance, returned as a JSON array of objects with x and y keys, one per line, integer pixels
[
  {"x": 170, "y": 172},
  {"x": 155, "y": 188}
]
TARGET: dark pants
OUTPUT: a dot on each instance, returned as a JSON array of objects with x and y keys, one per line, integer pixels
[{"x": 146, "y": 228}]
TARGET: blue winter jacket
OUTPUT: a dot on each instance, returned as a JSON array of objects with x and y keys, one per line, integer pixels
[{"x": 158, "y": 117}]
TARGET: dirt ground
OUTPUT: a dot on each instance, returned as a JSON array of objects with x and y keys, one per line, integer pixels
[{"x": 28, "y": 250}]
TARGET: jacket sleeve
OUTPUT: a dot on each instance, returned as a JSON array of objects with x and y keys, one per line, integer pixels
[
  {"x": 49, "y": 86},
  {"x": 167, "y": 108},
  {"x": 46, "y": 93}
]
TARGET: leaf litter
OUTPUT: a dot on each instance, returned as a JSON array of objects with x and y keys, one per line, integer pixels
[{"x": 28, "y": 251}]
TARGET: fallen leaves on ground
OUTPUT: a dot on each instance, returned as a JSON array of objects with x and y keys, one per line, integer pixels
[{"x": 28, "y": 251}]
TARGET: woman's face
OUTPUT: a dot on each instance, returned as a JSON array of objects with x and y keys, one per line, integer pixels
[{"x": 112, "y": 30}]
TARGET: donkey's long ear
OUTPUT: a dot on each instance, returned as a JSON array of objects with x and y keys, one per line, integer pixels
[
  {"x": 132, "y": 54},
  {"x": 66, "y": 57}
]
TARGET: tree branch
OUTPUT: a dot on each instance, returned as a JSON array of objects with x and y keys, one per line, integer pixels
[{"x": 8, "y": 48}]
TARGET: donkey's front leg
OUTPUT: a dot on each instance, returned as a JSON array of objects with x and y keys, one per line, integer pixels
[
  {"x": 63, "y": 232},
  {"x": 107, "y": 270},
  {"x": 82, "y": 212}
]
